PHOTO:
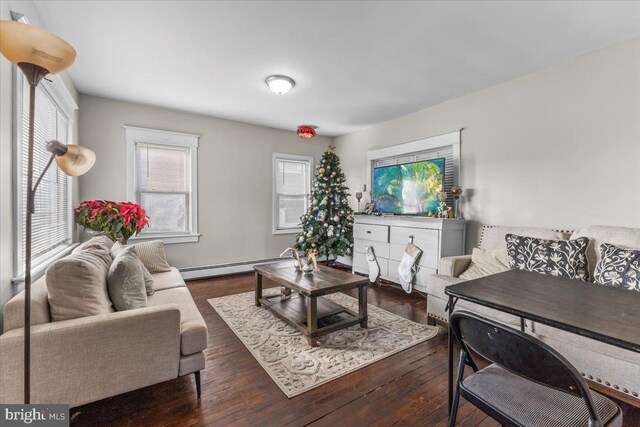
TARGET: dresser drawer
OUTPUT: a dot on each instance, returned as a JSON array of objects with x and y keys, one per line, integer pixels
[
  {"x": 377, "y": 233},
  {"x": 421, "y": 237},
  {"x": 379, "y": 248},
  {"x": 429, "y": 257},
  {"x": 360, "y": 264}
]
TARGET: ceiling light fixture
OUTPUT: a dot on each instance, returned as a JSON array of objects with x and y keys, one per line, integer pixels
[
  {"x": 307, "y": 131},
  {"x": 280, "y": 84}
]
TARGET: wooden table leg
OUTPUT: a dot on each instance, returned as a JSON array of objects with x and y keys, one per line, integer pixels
[
  {"x": 258, "y": 288},
  {"x": 312, "y": 319},
  {"x": 362, "y": 306}
]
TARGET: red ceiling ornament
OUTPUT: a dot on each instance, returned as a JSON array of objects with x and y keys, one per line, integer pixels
[{"x": 306, "y": 131}]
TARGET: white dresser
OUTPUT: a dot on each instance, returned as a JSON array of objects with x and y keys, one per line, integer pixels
[{"x": 389, "y": 235}]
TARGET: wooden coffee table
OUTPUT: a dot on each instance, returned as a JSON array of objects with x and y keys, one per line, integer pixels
[{"x": 306, "y": 310}]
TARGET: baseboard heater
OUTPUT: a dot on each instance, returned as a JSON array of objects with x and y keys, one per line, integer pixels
[{"x": 203, "y": 272}]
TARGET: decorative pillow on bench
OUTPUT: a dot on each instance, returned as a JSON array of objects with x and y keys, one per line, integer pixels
[
  {"x": 618, "y": 267},
  {"x": 565, "y": 258}
]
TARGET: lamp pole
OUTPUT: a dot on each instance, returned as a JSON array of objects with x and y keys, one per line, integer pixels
[{"x": 34, "y": 74}]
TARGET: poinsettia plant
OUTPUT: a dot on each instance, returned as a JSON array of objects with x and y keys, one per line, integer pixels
[{"x": 118, "y": 220}]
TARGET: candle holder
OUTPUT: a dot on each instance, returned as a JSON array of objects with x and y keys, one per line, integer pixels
[
  {"x": 358, "y": 198},
  {"x": 457, "y": 192}
]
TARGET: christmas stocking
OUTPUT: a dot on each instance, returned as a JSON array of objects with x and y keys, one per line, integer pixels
[
  {"x": 374, "y": 268},
  {"x": 409, "y": 266}
]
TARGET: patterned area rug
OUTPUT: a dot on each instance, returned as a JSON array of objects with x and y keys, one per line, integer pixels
[{"x": 283, "y": 351}]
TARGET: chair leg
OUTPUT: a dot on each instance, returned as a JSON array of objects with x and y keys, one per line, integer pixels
[
  {"x": 198, "y": 387},
  {"x": 456, "y": 395}
]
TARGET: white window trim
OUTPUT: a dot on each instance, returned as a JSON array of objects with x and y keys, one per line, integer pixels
[
  {"x": 274, "y": 198},
  {"x": 55, "y": 88},
  {"x": 173, "y": 139}
]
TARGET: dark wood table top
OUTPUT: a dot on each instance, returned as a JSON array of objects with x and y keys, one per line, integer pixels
[
  {"x": 607, "y": 314},
  {"x": 326, "y": 281}
]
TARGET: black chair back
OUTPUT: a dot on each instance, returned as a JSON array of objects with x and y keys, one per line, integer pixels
[{"x": 519, "y": 353}]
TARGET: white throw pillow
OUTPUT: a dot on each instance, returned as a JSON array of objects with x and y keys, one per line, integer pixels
[{"x": 485, "y": 263}]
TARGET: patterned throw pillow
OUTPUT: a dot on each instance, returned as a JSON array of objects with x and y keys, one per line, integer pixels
[
  {"x": 618, "y": 267},
  {"x": 565, "y": 258}
]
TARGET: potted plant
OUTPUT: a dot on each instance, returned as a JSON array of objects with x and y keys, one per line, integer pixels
[{"x": 118, "y": 220}]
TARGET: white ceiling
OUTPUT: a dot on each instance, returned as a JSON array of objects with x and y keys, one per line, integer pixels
[{"x": 355, "y": 63}]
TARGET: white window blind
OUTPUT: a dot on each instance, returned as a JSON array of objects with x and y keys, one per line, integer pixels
[
  {"x": 164, "y": 187},
  {"x": 292, "y": 187},
  {"x": 51, "y": 227}
]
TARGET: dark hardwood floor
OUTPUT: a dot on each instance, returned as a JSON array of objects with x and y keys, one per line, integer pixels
[{"x": 408, "y": 388}]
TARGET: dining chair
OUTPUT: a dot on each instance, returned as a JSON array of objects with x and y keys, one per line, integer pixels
[{"x": 527, "y": 383}]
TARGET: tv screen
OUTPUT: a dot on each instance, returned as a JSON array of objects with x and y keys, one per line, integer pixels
[{"x": 410, "y": 188}]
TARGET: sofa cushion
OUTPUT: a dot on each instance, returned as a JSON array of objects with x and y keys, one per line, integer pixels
[
  {"x": 435, "y": 289},
  {"x": 13, "y": 314},
  {"x": 193, "y": 329},
  {"x": 168, "y": 280},
  {"x": 192, "y": 363},
  {"x": 117, "y": 248},
  {"x": 77, "y": 284},
  {"x": 564, "y": 258},
  {"x": 618, "y": 267},
  {"x": 494, "y": 237},
  {"x": 485, "y": 263},
  {"x": 628, "y": 238},
  {"x": 125, "y": 281}
]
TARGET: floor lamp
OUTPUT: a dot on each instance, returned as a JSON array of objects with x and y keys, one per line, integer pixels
[{"x": 38, "y": 53}]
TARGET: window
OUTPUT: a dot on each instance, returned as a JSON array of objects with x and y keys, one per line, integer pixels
[
  {"x": 162, "y": 178},
  {"x": 52, "y": 222},
  {"x": 291, "y": 190}
]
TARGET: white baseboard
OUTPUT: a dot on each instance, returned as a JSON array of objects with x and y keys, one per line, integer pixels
[{"x": 203, "y": 272}]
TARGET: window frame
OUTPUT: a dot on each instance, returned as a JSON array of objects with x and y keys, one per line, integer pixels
[
  {"x": 54, "y": 88},
  {"x": 275, "y": 194},
  {"x": 163, "y": 138}
]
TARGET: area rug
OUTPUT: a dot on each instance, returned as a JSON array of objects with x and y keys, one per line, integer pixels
[{"x": 294, "y": 366}]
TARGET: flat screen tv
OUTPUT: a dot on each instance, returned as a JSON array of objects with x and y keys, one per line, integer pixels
[{"x": 410, "y": 188}]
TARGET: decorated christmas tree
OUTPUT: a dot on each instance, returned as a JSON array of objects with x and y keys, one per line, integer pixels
[{"x": 327, "y": 227}]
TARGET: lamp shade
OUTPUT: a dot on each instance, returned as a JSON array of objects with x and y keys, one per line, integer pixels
[
  {"x": 24, "y": 43},
  {"x": 76, "y": 161}
]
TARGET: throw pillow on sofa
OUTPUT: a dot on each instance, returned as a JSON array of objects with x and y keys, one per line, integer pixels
[
  {"x": 485, "y": 263},
  {"x": 565, "y": 258},
  {"x": 77, "y": 284},
  {"x": 148, "y": 278},
  {"x": 126, "y": 281},
  {"x": 618, "y": 267},
  {"x": 152, "y": 256},
  {"x": 98, "y": 241}
]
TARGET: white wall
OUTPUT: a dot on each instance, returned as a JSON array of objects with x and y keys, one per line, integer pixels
[
  {"x": 234, "y": 175},
  {"x": 7, "y": 152},
  {"x": 557, "y": 148}
]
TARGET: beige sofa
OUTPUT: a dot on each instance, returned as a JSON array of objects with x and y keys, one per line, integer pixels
[
  {"x": 86, "y": 359},
  {"x": 607, "y": 365}
]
